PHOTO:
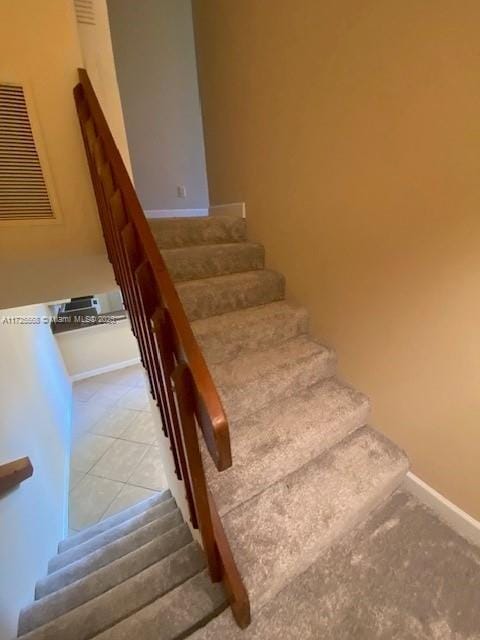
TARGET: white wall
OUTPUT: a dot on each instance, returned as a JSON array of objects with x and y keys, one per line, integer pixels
[
  {"x": 97, "y": 349},
  {"x": 154, "y": 53},
  {"x": 35, "y": 420}
]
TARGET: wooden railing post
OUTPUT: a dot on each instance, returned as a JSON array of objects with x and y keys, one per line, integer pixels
[{"x": 184, "y": 395}]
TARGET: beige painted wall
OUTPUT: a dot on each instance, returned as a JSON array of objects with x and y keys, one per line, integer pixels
[
  {"x": 97, "y": 54},
  {"x": 39, "y": 46},
  {"x": 351, "y": 130},
  {"x": 97, "y": 348},
  {"x": 35, "y": 417}
]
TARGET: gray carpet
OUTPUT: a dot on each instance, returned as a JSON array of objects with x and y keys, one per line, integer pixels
[
  {"x": 307, "y": 470},
  {"x": 402, "y": 575}
]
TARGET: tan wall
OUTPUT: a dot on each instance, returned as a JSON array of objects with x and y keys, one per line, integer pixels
[
  {"x": 351, "y": 130},
  {"x": 39, "y": 45},
  {"x": 97, "y": 53}
]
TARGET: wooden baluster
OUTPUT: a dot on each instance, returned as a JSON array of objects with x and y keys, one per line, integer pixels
[
  {"x": 102, "y": 202},
  {"x": 237, "y": 594},
  {"x": 107, "y": 189},
  {"x": 149, "y": 300},
  {"x": 163, "y": 335},
  {"x": 120, "y": 220},
  {"x": 134, "y": 258},
  {"x": 184, "y": 394},
  {"x": 87, "y": 129}
]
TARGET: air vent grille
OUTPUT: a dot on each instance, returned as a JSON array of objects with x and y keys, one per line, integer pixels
[
  {"x": 23, "y": 192},
  {"x": 85, "y": 12}
]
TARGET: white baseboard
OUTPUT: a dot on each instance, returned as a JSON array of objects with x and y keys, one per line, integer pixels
[
  {"x": 106, "y": 369},
  {"x": 233, "y": 209},
  {"x": 175, "y": 213},
  {"x": 458, "y": 520}
]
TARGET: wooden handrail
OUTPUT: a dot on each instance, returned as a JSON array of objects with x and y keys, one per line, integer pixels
[
  {"x": 179, "y": 379},
  {"x": 12, "y": 473}
]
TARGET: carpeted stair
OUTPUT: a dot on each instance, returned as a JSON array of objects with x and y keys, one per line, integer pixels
[
  {"x": 140, "y": 562},
  {"x": 306, "y": 467}
]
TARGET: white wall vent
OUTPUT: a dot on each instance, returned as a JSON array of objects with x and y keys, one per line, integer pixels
[
  {"x": 23, "y": 192},
  {"x": 85, "y": 11}
]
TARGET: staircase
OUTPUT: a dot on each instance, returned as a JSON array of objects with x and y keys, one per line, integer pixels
[
  {"x": 130, "y": 575},
  {"x": 306, "y": 468},
  {"x": 273, "y": 450}
]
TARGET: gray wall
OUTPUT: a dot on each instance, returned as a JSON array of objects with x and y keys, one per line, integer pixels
[{"x": 154, "y": 52}]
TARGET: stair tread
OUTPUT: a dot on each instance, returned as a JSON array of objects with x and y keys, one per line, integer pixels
[
  {"x": 227, "y": 336},
  {"x": 114, "y": 533},
  {"x": 112, "y": 521},
  {"x": 85, "y": 589},
  {"x": 379, "y": 567},
  {"x": 277, "y": 534},
  {"x": 199, "y": 230},
  {"x": 221, "y": 294},
  {"x": 209, "y": 260},
  {"x": 106, "y": 554},
  {"x": 253, "y": 380},
  {"x": 125, "y": 599},
  {"x": 284, "y": 436},
  {"x": 168, "y": 617}
]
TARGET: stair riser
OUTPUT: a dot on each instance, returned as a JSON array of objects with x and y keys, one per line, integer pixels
[
  {"x": 43, "y": 611},
  {"x": 173, "y": 233},
  {"x": 121, "y": 530},
  {"x": 176, "y": 615},
  {"x": 290, "y": 524},
  {"x": 251, "y": 396},
  {"x": 107, "y": 554},
  {"x": 215, "y": 260},
  {"x": 323, "y": 415},
  {"x": 203, "y": 299},
  {"x": 219, "y": 346},
  {"x": 124, "y": 600},
  {"x": 113, "y": 521}
]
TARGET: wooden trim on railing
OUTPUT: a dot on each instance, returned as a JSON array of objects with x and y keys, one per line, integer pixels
[
  {"x": 232, "y": 580},
  {"x": 15, "y": 472}
]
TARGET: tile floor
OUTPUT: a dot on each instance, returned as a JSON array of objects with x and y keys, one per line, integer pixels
[{"x": 114, "y": 461}]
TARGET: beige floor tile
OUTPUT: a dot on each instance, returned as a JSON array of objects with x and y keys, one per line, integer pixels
[
  {"x": 115, "y": 422},
  {"x": 136, "y": 399},
  {"x": 120, "y": 460},
  {"x": 149, "y": 473},
  {"x": 84, "y": 390},
  {"x": 90, "y": 499},
  {"x": 111, "y": 391},
  {"x": 141, "y": 381},
  {"x": 127, "y": 376},
  {"x": 75, "y": 477},
  {"x": 141, "y": 428},
  {"x": 86, "y": 414},
  {"x": 127, "y": 497},
  {"x": 87, "y": 450}
]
